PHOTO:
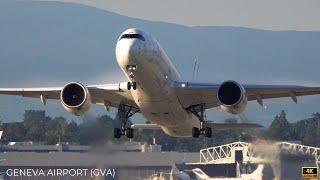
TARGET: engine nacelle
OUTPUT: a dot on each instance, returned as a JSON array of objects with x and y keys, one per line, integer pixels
[
  {"x": 75, "y": 98},
  {"x": 232, "y": 97}
]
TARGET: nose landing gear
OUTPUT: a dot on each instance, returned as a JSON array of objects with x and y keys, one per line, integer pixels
[
  {"x": 198, "y": 110},
  {"x": 132, "y": 84}
]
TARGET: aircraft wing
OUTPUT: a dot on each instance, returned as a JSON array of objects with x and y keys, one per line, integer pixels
[
  {"x": 223, "y": 126},
  {"x": 145, "y": 126},
  {"x": 215, "y": 126},
  {"x": 206, "y": 93},
  {"x": 104, "y": 94}
]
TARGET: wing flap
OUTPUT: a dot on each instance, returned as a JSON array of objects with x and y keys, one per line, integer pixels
[
  {"x": 145, "y": 126},
  {"x": 274, "y": 91},
  {"x": 224, "y": 126}
]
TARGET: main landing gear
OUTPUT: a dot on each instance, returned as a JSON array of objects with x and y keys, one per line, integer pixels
[
  {"x": 124, "y": 113},
  {"x": 132, "y": 84},
  {"x": 198, "y": 110}
]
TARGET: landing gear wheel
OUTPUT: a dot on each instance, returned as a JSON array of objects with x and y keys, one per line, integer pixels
[
  {"x": 129, "y": 85},
  {"x": 129, "y": 133},
  {"x": 208, "y": 132},
  {"x": 134, "y": 85},
  {"x": 198, "y": 111},
  {"x": 195, "y": 132},
  {"x": 117, "y": 133}
]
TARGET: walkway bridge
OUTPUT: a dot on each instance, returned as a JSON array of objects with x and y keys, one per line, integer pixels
[
  {"x": 226, "y": 153},
  {"x": 243, "y": 151},
  {"x": 301, "y": 149}
]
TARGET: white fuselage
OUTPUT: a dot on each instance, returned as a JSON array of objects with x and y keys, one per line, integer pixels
[{"x": 155, "y": 94}]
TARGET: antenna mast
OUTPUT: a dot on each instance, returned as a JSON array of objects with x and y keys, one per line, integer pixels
[{"x": 195, "y": 69}]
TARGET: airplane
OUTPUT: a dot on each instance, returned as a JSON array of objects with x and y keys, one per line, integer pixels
[{"x": 156, "y": 90}]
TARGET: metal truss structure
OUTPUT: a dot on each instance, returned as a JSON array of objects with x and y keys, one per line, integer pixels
[
  {"x": 225, "y": 153},
  {"x": 301, "y": 149}
]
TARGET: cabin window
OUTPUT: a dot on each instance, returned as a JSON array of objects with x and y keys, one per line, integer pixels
[{"x": 132, "y": 36}]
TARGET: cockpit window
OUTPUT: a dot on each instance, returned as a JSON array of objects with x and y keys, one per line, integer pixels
[{"x": 132, "y": 36}]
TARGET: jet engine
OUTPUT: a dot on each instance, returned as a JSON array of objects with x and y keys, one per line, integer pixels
[
  {"x": 232, "y": 97},
  {"x": 75, "y": 98}
]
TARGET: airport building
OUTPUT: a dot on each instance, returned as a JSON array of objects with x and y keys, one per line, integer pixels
[{"x": 238, "y": 160}]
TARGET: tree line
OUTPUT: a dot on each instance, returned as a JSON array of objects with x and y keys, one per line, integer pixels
[
  {"x": 307, "y": 131},
  {"x": 38, "y": 127}
]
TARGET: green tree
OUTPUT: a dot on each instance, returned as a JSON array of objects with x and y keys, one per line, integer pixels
[
  {"x": 73, "y": 132},
  {"x": 280, "y": 127},
  {"x": 73, "y": 127},
  {"x": 316, "y": 116},
  {"x": 56, "y": 129},
  {"x": 14, "y": 131},
  {"x": 96, "y": 130},
  {"x": 309, "y": 138},
  {"x": 35, "y": 123}
]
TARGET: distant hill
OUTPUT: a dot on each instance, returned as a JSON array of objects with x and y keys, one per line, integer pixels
[{"x": 51, "y": 43}]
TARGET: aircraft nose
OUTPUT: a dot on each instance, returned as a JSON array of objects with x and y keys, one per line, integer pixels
[
  {"x": 134, "y": 47},
  {"x": 132, "y": 51}
]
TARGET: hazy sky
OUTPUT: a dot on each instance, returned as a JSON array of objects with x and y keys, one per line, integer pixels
[{"x": 262, "y": 14}]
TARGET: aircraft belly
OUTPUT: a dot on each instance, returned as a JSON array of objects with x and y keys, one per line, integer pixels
[
  {"x": 169, "y": 114},
  {"x": 156, "y": 98},
  {"x": 152, "y": 79}
]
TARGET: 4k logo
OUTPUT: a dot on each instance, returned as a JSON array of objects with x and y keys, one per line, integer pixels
[{"x": 309, "y": 172}]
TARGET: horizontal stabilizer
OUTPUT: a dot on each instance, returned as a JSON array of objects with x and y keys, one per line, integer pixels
[
  {"x": 145, "y": 126},
  {"x": 222, "y": 126}
]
